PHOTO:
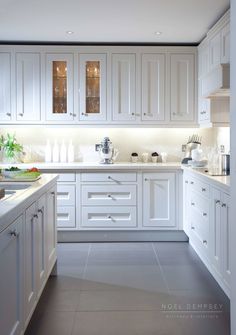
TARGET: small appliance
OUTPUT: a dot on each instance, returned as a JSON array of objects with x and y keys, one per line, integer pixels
[
  {"x": 194, "y": 142},
  {"x": 106, "y": 151}
]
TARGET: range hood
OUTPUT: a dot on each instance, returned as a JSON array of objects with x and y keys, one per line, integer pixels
[{"x": 217, "y": 82}]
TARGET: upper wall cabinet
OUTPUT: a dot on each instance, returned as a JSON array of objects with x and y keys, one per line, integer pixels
[
  {"x": 5, "y": 86},
  {"x": 93, "y": 86},
  {"x": 182, "y": 87},
  {"x": 225, "y": 44},
  {"x": 28, "y": 93},
  {"x": 153, "y": 85},
  {"x": 123, "y": 87},
  {"x": 59, "y": 88}
]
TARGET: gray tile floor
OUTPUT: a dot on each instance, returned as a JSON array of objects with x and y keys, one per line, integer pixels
[{"x": 130, "y": 289}]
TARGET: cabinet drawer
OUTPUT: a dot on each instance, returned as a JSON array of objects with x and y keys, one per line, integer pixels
[
  {"x": 66, "y": 195},
  {"x": 199, "y": 229},
  {"x": 199, "y": 186},
  {"x": 66, "y": 177},
  {"x": 200, "y": 204},
  {"x": 108, "y": 217},
  {"x": 66, "y": 217},
  {"x": 115, "y": 177},
  {"x": 109, "y": 195}
]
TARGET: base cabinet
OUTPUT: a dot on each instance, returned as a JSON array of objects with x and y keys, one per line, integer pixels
[
  {"x": 27, "y": 255},
  {"x": 11, "y": 278},
  {"x": 159, "y": 198}
]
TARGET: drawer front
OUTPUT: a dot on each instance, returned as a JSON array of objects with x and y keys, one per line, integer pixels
[
  {"x": 109, "y": 217},
  {"x": 200, "y": 204},
  {"x": 66, "y": 217},
  {"x": 113, "y": 177},
  {"x": 200, "y": 187},
  {"x": 64, "y": 177},
  {"x": 65, "y": 195},
  {"x": 199, "y": 229},
  {"x": 109, "y": 195}
]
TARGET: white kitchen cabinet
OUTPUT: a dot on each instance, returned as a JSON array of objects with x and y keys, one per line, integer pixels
[
  {"x": 66, "y": 217},
  {"x": 93, "y": 87},
  {"x": 5, "y": 87},
  {"x": 159, "y": 200},
  {"x": 225, "y": 44},
  {"x": 28, "y": 83},
  {"x": 66, "y": 194},
  {"x": 203, "y": 59},
  {"x": 182, "y": 87},
  {"x": 153, "y": 87},
  {"x": 204, "y": 111},
  {"x": 40, "y": 244},
  {"x": 11, "y": 279},
  {"x": 214, "y": 50},
  {"x": 59, "y": 88},
  {"x": 186, "y": 203},
  {"x": 220, "y": 235},
  {"x": 51, "y": 228},
  {"x": 30, "y": 288},
  {"x": 123, "y": 87}
]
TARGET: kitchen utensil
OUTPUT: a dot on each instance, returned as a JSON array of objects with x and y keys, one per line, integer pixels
[{"x": 106, "y": 151}]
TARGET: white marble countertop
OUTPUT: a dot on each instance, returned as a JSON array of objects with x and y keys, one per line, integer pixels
[
  {"x": 13, "y": 206},
  {"x": 220, "y": 181},
  {"x": 97, "y": 166}
]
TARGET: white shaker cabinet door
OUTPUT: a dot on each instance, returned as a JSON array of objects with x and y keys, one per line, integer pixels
[
  {"x": 51, "y": 228},
  {"x": 153, "y": 87},
  {"x": 159, "y": 199},
  {"x": 28, "y": 103},
  {"x": 11, "y": 278},
  {"x": 5, "y": 86},
  {"x": 225, "y": 44},
  {"x": 123, "y": 87},
  {"x": 215, "y": 48},
  {"x": 182, "y": 87},
  {"x": 225, "y": 235}
]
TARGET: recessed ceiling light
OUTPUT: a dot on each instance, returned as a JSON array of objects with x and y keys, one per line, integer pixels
[
  {"x": 69, "y": 32},
  {"x": 158, "y": 33}
]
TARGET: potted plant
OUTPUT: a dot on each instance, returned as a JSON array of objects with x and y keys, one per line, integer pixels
[
  {"x": 10, "y": 148},
  {"x": 154, "y": 157}
]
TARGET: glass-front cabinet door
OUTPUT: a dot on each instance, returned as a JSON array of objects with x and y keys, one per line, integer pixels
[
  {"x": 92, "y": 79},
  {"x": 59, "y": 87}
]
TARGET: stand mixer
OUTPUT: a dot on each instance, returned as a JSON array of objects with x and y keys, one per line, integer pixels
[
  {"x": 106, "y": 151},
  {"x": 194, "y": 142}
]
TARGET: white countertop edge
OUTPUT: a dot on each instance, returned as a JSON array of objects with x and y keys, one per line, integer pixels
[{"x": 15, "y": 206}]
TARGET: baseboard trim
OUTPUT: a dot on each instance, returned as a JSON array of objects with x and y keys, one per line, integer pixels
[{"x": 122, "y": 236}]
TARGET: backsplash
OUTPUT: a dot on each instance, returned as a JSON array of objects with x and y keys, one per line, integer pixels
[{"x": 126, "y": 140}]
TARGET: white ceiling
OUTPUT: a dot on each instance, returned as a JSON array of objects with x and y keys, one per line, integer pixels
[{"x": 180, "y": 21}]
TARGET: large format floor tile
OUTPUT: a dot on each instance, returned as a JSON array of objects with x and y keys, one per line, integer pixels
[{"x": 131, "y": 288}]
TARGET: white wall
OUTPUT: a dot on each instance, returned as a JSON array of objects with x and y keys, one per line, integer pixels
[
  {"x": 127, "y": 140},
  {"x": 233, "y": 164}
]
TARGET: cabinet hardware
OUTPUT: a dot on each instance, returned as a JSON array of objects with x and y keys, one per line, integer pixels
[
  {"x": 192, "y": 228},
  {"x": 52, "y": 193},
  {"x": 109, "y": 177},
  {"x": 40, "y": 210},
  {"x": 20, "y": 114},
  {"x": 223, "y": 205},
  {"x": 8, "y": 114},
  {"x": 35, "y": 216},
  {"x": 144, "y": 113},
  {"x": 132, "y": 114},
  {"x": 109, "y": 216},
  {"x": 217, "y": 201},
  {"x": 145, "y": 179},
  {"x": 14, "y": 233},
  {"x": 85, "y": 114},
  {"x": 192, "y": 183},
  {"x": 204, "y": 214},
  {"x": 203, "y": 112},
  {"x": 192, "y": 203},
  {"x": 186, "y": 182},
  {"x": 204, "y": 241},
  {"x": 203, "y": 189},
  {"x": 109, "y": 196}
]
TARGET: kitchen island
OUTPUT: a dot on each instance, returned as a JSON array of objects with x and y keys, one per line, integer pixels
[{"x": 27, "y": 249}]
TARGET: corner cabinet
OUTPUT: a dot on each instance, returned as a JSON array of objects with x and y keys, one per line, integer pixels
[
  {"x": 59, "y": 88},
  {"x": 159, "y": 200},
  {"x": 93, "y": 86},
  {"x": 123, "y": 87},
  {"x": 182, "y": 87},
  {"x": 153, "y": 87}
]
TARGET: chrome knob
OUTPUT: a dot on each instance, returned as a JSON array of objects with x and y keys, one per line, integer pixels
[
  {"x": 223, "y": 205},
  {"x": 204, "y": 241},
  {"x": 109, "y": 216},
  {"x": 217, "y": 201},
  {"x": 20, "y": 114},
  {"x": 192, "y": 183},
  {"x": 203, "y": 190},
  {"x": 192, "y": 204},
  {"x": 145, "y": 179},
  {"x": 40, "y": 211},
  {"x": 52, "y": 193},
  {"x": 35, "y": 216},
  {"x": 192, "y": 228},
  {"x": 204, "y": 214},
  {"x": 14, "y": 233},
  {"x": 8, "y": 114},
  {"x": 109, "y": 196}
]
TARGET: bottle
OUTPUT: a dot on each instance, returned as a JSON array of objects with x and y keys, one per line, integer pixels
[
  {"x": 48, "y": 152},
  {"x": 55, "y": 152},
  {"x": 71, "y": 153},
  {"x": 63, "y": 152}
]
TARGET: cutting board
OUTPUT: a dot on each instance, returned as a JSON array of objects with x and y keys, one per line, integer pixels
[{"x": 16, "y": 180}]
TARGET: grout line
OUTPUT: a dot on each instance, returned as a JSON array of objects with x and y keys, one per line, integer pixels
[
  {"x": 86, "y": 263},
  {"x": 162, "y": 272}
]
